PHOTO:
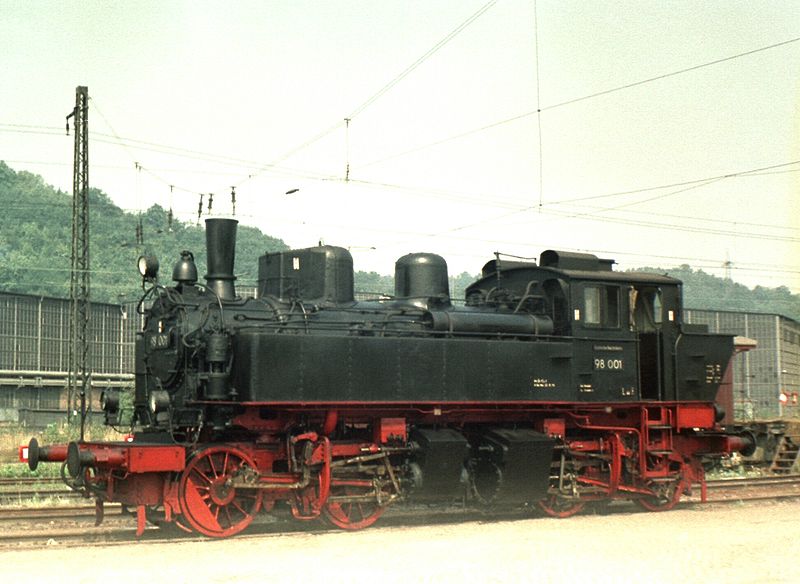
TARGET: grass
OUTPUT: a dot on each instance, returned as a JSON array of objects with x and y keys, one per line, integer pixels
[
  {"x": 18, "y": 470},
  {"x": 49, "y": 501}
]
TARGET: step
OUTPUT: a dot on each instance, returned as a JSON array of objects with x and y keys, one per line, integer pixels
[{"x": 786, "y": 456}]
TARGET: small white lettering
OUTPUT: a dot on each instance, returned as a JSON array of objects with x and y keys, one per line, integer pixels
[{"x": 542, "y": 383}]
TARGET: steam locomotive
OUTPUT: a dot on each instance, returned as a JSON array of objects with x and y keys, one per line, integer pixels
[{"x": 554, "y": 385}]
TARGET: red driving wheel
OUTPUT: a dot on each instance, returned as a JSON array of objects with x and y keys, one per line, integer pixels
[{"x": 208, "y": 504}]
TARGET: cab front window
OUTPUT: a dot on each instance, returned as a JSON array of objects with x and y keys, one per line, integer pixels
[{"x": 601, "y": 306}]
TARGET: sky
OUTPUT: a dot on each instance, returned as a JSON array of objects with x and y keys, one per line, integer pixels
[{"x": 656, "y": 133}]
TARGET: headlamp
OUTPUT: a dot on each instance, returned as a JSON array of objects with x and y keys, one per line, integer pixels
[{"x": 148, "y": 267}]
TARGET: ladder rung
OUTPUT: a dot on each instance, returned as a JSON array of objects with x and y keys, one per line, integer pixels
[{"x": 662, "y": 479}]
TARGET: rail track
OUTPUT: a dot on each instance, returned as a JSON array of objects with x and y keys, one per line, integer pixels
[
  {"x": 21, "y": 490},
  {"x": 73, "y": 525},
  {"x": 753, "y": 488},
  {"x": 5, "y": 481},
  {"x": 790, "y": 479}
]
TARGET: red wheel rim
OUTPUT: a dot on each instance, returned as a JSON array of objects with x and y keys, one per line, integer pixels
[
  {"x": 351, "y": 515},
  {"x": 207, "y": 504},
  {"x": 559, "y": 507}
]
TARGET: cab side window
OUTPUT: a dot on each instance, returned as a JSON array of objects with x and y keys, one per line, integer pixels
[{"x": 601, "y": 306}]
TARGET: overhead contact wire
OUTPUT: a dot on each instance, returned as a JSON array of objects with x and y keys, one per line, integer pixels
[
  {"x": 541, "y": 109},
  {"x": 372, "y": 99}
]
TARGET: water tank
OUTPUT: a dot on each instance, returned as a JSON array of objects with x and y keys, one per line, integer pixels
[{"x": 315, "y": 274}]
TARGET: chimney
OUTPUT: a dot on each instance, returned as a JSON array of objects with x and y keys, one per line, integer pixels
[{"x": 221, "y": 253}]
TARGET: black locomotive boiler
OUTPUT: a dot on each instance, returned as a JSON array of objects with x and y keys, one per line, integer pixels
[{"x": 555, "y": 384}]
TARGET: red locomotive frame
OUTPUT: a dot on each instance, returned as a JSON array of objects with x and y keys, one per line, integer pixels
[{"x": 650, "y": 453}]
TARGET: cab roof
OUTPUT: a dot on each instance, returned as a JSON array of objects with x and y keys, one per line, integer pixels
[{"x": 578, "y": 266}]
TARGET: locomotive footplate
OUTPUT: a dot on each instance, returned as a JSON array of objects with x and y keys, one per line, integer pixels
[{"x": 133, "y": 458}]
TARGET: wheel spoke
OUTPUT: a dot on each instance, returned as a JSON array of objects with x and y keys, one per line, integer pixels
[
  {"x": 213, "y": 468},
  {"x": 238, "y": 507},
  {"x": 228, "y": 514},
  {"x": 202, "y": 475}
]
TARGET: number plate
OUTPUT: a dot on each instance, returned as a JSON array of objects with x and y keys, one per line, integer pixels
[
  {"x": 160, "y": 341},
  {"x": 609, "y": 364}
]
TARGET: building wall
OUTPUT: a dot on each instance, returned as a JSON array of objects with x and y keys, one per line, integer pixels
[
  {"x": 34, "y": 351},
  {"x": 34, "y": 335}
]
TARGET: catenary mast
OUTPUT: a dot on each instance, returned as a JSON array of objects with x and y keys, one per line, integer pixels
[{"x": 79, "y": 374}]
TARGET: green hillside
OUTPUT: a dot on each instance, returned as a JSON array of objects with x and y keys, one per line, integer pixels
[
  {"x": 704, "y": 291},
  {"x": 36, "y": 236}
]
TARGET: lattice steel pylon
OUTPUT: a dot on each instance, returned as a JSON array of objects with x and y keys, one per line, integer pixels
[{"x": 79, "y": 374}]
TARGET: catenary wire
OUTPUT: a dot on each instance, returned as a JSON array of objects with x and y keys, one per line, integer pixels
[
  {"x": 539, "y": 109},
  {"x": 381, "y": 91}
]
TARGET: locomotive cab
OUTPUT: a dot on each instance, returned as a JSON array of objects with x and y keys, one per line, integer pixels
[{"x": 626, "y": 330}]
